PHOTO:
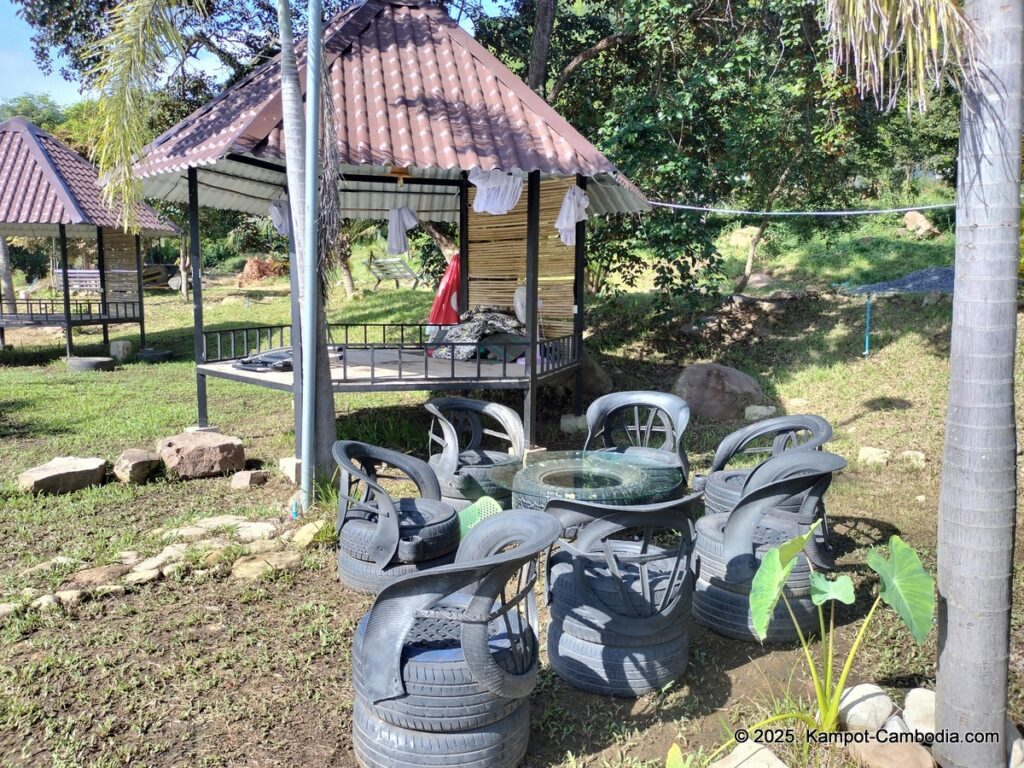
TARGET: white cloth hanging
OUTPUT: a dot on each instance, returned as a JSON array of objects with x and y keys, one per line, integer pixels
[
  {"x": 279, "y": 217},
  {"x": 400, "y": 221},
  {"x": 573, "y": 211},
  {"x": 497, "y": 192}
]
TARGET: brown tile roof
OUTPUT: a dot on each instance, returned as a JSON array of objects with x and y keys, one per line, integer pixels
[
  {"x": 43, "y": 183},
  {"x": 411, "y": 89}
]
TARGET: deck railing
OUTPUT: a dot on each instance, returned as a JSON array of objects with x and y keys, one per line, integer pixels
[
  {"x": 234, "y": 343},
  {"x": 39, "y": 310}
]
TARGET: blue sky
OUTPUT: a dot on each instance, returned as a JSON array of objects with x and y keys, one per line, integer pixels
[{"x": 22, "y": 75}]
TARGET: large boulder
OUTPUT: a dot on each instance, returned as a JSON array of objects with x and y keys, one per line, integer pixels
[
  {"x": 63, "y": 475},
  {"x": 192, "y": 455},
  {"x": 717, "y": 392}
]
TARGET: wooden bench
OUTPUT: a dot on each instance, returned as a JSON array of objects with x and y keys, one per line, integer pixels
[{"x": 392, "y": 268}]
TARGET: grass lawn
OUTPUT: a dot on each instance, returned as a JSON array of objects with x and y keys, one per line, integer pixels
[{"x": 206, "y": 671}]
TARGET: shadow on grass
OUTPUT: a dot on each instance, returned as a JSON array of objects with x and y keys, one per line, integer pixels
[{"x": 13, "y": 429}]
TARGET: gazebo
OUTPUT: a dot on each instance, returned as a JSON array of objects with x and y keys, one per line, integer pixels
[
  {"x": 420, "y": 108},
  {"x": 49, "y": 190}
]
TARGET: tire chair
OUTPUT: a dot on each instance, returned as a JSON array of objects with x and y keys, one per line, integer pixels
[
  {"x": 458, "y": 432},
  {"x": 730, "y": 546},
  {"x": 648, "y": 423},
  {"x": 445, "y": 660},
  {"x": 722, "y": 486},
  {"x": 381, "y": 538},
  {"x": 620, "y": 588}
]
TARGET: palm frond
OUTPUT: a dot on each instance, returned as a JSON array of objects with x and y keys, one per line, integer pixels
[
  {"x": 133, "y": 55},
  {"x": 895, "y": 46}
]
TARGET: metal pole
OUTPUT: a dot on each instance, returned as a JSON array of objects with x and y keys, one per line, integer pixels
[
  {"x": 138, "y": 278},
  {"x": 464, "y": 242},
  {"x": 580, "y": 290},
  {"x": 532, "y": 325},
  {"x": 196, "y": 258},
  {"x": 101, "y": 267},
  {"x": 314, "y": 49},
  {"x": 67, "y": 288}
]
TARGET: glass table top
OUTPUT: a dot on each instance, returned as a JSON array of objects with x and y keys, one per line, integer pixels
[{"x": 636, "y": 476}]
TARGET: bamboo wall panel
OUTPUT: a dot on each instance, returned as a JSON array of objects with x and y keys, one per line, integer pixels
[
  {"x": 119, "y": 260},
  {"x": 497, "y": 259}
]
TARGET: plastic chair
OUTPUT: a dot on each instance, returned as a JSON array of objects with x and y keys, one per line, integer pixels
[
  {"x": 652, "y": 423},
  {"x": 780, "y": 499},
  {"x": 457, "y": 434},
  {"x": 722, "y": 486}
]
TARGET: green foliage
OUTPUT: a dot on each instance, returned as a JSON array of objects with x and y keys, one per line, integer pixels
[
  {"x": 839, "y": 589},
  {"x": 906, "y": 587},
  {"x": 38, "y": 108},
  {"x": 770, "y": 579},
  {"x": 31, "y": 258}
]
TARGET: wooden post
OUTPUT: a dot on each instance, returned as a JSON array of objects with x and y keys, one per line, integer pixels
[
  {"x": 464, "y": 243},
  {"x": 138, "y": 278},
  {"x": 532, "y": 325},
  {"x": 197, "y": 292},
  {"x": 67, "y": 288},
  {"x": 101, "y": 267},
  {"x": 580, "y": 295}
]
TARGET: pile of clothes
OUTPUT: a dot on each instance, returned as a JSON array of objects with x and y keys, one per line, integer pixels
[{"x": 488, "y": 331}]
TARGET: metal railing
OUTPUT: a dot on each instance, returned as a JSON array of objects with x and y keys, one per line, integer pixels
[
  {"x": 39, "y": 310},
  {"x": 235, "y": 343}
]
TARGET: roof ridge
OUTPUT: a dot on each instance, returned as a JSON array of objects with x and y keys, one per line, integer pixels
[{"x": 70, "y": 201}]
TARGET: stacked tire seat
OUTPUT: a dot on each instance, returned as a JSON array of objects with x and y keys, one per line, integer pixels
[
  {"x": 723, "y": 486},
  {"x": 619, "y": 604},
  {"x": 381, "y": 538},
  {"x": 781, "y": 499},
  {"x": 460, "y": 430},
  {"x": 445, "y": 661}
]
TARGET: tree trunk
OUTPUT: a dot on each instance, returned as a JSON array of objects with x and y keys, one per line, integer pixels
[
  {"x": 184, "y": 265},
  {"x": 748, "y": 268},
  {"x": 448, "y": 247},
  {"x": 6, "y": 277},
  {"x": 977, "y": 501},
  {"x": 537, "y": 75},
  {"x": 325, "y": 428}
]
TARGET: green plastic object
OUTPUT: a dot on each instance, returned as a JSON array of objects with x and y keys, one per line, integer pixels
[{"x": 480, "y": 509}]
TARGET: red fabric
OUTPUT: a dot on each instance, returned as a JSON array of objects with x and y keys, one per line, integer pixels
[{"x": 446, "y": 304}]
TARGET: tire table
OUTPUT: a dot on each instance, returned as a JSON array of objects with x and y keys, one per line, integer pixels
[{"x": 605, "y": 477}]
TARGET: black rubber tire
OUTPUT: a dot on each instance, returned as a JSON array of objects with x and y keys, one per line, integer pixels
[
  {"x": 722, "y": 489},
  {"x": 473, "y": 478},
  {"x": 727, "y": 613},
  {"x": 148, "y": 355},
  {"x": 615, "y": 670},
  {"x": 566, "y": 592},
  {"x": 441, "y": 694},
  {"x": 592, "y": 624},
  {"x": 83, "y": 364},
  {"x": 427, "y": 530},
  {"x": 378, "y": 744},
  {"x": 366, "y": 577},
  {"x": 531, "y": 491}
]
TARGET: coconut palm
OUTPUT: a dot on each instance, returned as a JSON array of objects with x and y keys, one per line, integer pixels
[{"x": 887, "y": 43}]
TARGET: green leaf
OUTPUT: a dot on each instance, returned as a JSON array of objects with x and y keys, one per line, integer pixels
[
  {"x": 790, "y": 549},
  {"x": 766, "y": 589},
  {"x": 675, "y": 758},
  {"x": 906, "y": 586},
  {"x": 824, "y": 589}
]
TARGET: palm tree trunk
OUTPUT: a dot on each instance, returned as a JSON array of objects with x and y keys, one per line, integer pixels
[
  {"x": 977, "y": 502},
  {"x": 325, "y": 428},
  {"x": 347, "y": 282},
  {"x": 6, "y": 277}
]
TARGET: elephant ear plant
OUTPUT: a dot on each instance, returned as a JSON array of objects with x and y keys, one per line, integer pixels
[{"x": 905, "y": 587}]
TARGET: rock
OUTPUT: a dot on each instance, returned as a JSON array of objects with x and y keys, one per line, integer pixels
[
  {"x": 69, "y": 598},
  {"x": 129, "y": 557},
  {"x": 45, "y": 604},
  {"x": 185, "y": 533},
  {"x": 255, "y": 530},
  {"x": 193, "y": 455},
  {"x": 108, "y": 590},
  {"x": 169, "y": 571},
  {"x": 49, "y": 565},
  {"x": 749, "y": 755},
  {"x": 572, "y": 425},
  {"x": 873, "y": 457},
  {"x": 291, "y": 468},
  {"x": 214, "y": 556},
  {"x": 918, "y": 223},
  {"x": 7, "y": 610},
  {"x": 101, "y": 574},
  {"x": 254, "y": 566},
  {"x": 864, "y": 707},
  {"x": 915, "y": 459},
  {"x": 121, "y": 350},
  {"x": 138, "y": 577},
  {"x": 875, "y": 754},
  {"x": 241, "y": 481},
  {"x": 895, "y": 724},
  {"x": 219, "y": 521},
  {"x": 172, "y": 553},
  {"x": 63, "y": 475},
  {"x": 920, "y": 499},
  {"x": 136, "y": 466},
  {"x": 214, "y": 542},
  {"x": 717, "y": 392},
  {"x": 261, "y": 546},
  {"x": 758, "y": 412},
  {"x": 919, "y": 711},
  {"x": 303, "y": 538}
]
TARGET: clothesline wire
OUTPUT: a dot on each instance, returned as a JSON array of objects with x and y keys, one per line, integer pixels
[{"x": 792, "y": 214}]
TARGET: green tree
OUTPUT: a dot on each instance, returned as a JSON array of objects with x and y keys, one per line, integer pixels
[{"x": 38, "y": 108}]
